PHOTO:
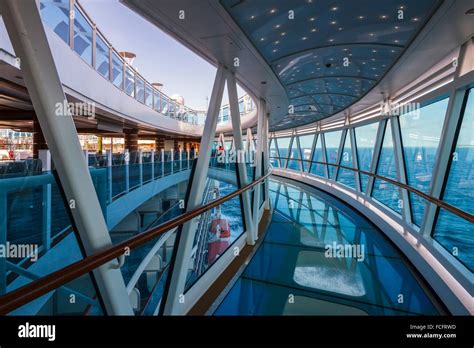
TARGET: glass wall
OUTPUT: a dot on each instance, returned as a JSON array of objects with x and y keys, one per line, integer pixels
[
  {"x": 117, "y": 70},
  {"x": 383, "y": 191},
  {"x": 318, "y": 168},
  {"x": 332, "y": 140},
  {"x": 347, "y": 176},
  {"x": 82, "y": 36},
  {"x": 306, "y": 146},
  {"x": 294, "y": 159},
  {"x": 273, "y": 153},
  {"x": 129, "y": 82},
  {"x": 283, "y": 145},
  {"x": 365, "y": 143},
  {"x": 451, "y": 231},
  {"x": 102, "y": 56},
  {"x": 56, "y": 16},
  {"x": 148, "y": 96},
  {"x": 156, "y": 101},
  {"x": 140, "y": 90},
  {"x": 421, "y": 131}
]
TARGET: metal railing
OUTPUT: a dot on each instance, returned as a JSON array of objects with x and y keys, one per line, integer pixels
[
  {"x": 459, "y": 212},
  {"x": 52, "y": 281}
]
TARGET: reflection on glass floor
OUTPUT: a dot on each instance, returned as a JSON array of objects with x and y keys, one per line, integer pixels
[{"x": 319, "y": 257}]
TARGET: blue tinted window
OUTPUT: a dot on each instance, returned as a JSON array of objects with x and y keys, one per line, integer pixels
[
  {"x": 333, "y": 139},
  {"x": 365, "y": 142},
  {"x": 148, "y": 96},
  {"x": 306, "y": 144},
  {"x": 56, "y": 16},
  {"x": 164, "y": 105},
  {"x": 102, "y": 57},
  {"x": 140, "y": 90},
  {"x": 318, "y": 168},
  {"x": 129, "y": 82},
  {"x": 82, "y": 36},
  {"x": 283, "y": 145},
  {"x": 346, "y": 176},
  {"x": 383, "y": 191},
  {"x": 453, "y": 232},
  {"x": 156, "y": 101},
  {"x": 273, "y": 152},
  {"x": 117, "y": 71},
  {"x": 421, "y": 131},
  {"x": 294, "y": 160}
]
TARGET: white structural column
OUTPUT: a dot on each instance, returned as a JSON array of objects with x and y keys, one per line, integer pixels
[
  {"x": 355, "y": 159},
  {"x": 175, "y": 300},
  {"x": 239, "y": 149},
  {"x": 448, "y": 135},
  {"x": 28, "y": 37},
  {"x": 375, "y": 156},
  {"x": 258, "y": 163}
]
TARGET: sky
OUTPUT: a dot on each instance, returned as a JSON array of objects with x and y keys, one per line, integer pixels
[{"x": 160, "y": 58}]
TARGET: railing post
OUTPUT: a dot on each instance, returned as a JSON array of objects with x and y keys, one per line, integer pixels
[
  {"x": 188, "y": 154},
  {"x": 109, "y": 174},
  {"x": 152, "y": 161},
  {"x": 45, "y": 156},
  {"x": 126, "y": 158},
  {"x": 266, "y": 161},
  {"x": 140, "y": 165},
  {"x": 172, "y": 161},
  {"x": 258, "y": 167},
  {"x": 180, "y": 159},
  {"x": 174, "y": 292},
  {"x": 86, "y": 157}
]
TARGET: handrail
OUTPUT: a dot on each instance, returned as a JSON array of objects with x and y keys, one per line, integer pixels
[
  {"x": 459, "y": 212},
  {"x": 52, "y": 281}
]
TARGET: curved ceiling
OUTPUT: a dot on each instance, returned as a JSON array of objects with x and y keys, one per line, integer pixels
[{"x": 329, "y": 53}]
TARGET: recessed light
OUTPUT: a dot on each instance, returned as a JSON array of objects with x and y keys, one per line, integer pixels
[
  {"x": 333, "y": 22},
  {"x": 273, "y": 10}
]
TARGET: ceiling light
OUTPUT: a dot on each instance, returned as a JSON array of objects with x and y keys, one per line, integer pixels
[
  {"x": 333, "y": 22},
  {"x": 273, "y": 10},
  {"x": 361, "y": 17},
  {"x": 335, "y": 8}
]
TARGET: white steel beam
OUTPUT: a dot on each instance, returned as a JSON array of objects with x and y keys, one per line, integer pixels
[{"x": 25, "y": 28}]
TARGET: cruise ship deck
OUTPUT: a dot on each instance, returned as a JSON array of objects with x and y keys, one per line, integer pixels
[{"x": 330, "y": 173}]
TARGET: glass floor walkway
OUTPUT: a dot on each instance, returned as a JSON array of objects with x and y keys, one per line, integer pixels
[{"x": 319, "y": 257}]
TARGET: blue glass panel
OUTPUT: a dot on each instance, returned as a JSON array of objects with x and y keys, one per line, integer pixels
[
  {"x": 283, "y": 145},
  {"x": 294, "y": 159},
  {"x": 102, "y": 57},
  {"x": 332, "y": 139},
  {"x": 365, "y": 142},
  {"x": 129, "y": 82},
  {"x": 117, "y": 70},
  {"x": 383, "y": 191},
  {"x": 140, "y": 90},
  {"x": 82, "y": 36},
  {"x": 56, "y": 16},
  {"x": 148, "y": 96},
  {"x": 156, "y": 101},
  {"x": 346, "y": 176},
  {"x": 273, "y": 153},
  {"x": 306, "y": 145},
  {"x": 454, "y": 233},
  {"x": 318, "y": 168},
  {"x": 421, "y": 131}
]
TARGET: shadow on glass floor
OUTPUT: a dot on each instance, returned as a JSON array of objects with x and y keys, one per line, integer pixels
[{"x": 319, "y": 257}]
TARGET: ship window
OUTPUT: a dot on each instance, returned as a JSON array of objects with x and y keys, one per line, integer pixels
[
  {"x": 140, "y": 91},
  {"x": 283, "y": 145},
  {"x": 102, "y": 57},
  {"x": 82, "y": 36},
  {"x": 365, "y": 144},
  {"x": 347, "y": 176},
  {"x": 332, "y": 140},
  {"x": 273, "y": 153},
  {"x": 318, "y": 168},
  {"x": 129, "y": 82},
  {"x": 384, "y": 192},
  {"x": 156, "y": 101},
  {"x": 293, "y": 162},
  {"x": 306, "y": 145},
  {"x": 453, "y": 232},
  {"x": 117, "y": 71},
  {"x": 421, "y": 131},
  {"x": 56, "y": 16},
  {"x": 148, "y": 96}
]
